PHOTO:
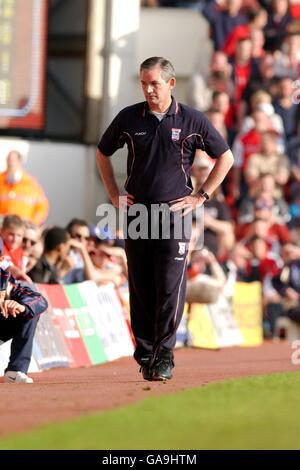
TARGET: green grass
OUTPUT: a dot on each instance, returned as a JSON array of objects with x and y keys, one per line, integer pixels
[{"x": 253, "y": 413}]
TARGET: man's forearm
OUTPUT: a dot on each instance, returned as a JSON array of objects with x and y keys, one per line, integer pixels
[
  {"x": 218, "y": 173},
  {"x": 107, "y": 174}
]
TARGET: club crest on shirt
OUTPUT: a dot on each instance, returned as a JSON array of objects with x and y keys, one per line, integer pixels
[
  {"x": 175, "y": 133},
  {"x": 181, "y": 248}
]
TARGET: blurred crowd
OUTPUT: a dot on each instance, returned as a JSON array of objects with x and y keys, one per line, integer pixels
[
  {"x": 251, "y": 94},
  {"x": 252, "y": 223}
]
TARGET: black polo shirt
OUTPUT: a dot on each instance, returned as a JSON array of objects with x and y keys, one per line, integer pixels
[{"x": 161, "y": 153}]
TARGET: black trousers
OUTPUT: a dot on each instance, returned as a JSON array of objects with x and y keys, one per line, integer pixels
[
  {"x": 21, "y": 331},
  {"x": 157, "y": 288}
]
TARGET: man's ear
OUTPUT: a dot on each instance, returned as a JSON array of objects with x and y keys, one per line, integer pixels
[{"x": 172, "y": 83}]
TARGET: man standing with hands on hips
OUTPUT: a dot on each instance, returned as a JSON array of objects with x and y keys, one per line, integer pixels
[{"x": 162, "y": 137}]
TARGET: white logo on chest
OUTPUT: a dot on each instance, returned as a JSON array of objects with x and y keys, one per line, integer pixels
[
  {"x": 181, "y": 248},
  {"x": 175, "y": 133}
]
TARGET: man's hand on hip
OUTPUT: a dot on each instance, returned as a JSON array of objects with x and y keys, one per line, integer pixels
[
  {"x": 122, "y": 201},
  {"x": 187, "y": 204}
]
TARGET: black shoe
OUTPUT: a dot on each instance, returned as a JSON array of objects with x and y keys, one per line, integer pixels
[
  {"x": 147, "y": 372},
  {"x": 145, "y": 368},
  {"x": 162, "y": 369}
]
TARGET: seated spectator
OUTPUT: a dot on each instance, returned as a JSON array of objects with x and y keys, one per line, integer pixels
[
  {"x": 206, "y": 278},
  {"x": 223, "y": 17},
  {"x": 50, "y": 267},
  {"x": 265, "y": 194},
  {"x": 237, "y": 263},
  {"x": 279, "y": 18},
  {"x": 200, "y": 89},
  {"x": 257, "y": 40},
  {"x": 287, "y": 282},
  {"x": 34, "y": 255},
  {"x": 265, "y": 80},
  {"x": 12, "y": 233},
  {"x": 261, "y": 264},
  {"x": 81, "y": 267},
  {"x": 287, "y": 60},
  {"x": 268, "y": 161},
  {"x": 293, "y": 152},
  {"x": 294, "y": 207},
  {"x": 286, "y": 108},
  {"x": 295, "y": 231},
  {"x": 244, "y": 146},
  {"x": 20, "y": 193},
  {"x": 276, "y": 232},
  {"x": 31, "y": 238},
  {"x": 20, "y": 308},
  {"x": 244, "y": 69},
  {"x": 109, "y": 262},
  {"x": 262, "y": 101},
  {"x": 257, "y": 19},
  {"x": 216, "y": 118},
  {"x": 221, "y": 103},
  {"x": 218, "y": 226}
]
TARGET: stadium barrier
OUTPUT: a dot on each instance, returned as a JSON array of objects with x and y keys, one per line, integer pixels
[{"x": 88, "y": 325}]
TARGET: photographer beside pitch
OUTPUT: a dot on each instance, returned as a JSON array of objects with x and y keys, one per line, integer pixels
[{"x": 162, "y": 137}]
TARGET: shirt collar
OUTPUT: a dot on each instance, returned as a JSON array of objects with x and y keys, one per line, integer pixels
[{"x": 173, "y": 109}]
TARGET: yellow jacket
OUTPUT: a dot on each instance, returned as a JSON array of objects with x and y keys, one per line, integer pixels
[{"x": 25, "y": 198}]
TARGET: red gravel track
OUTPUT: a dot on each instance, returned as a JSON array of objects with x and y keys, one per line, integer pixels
[{"x": 62, "y": 394}]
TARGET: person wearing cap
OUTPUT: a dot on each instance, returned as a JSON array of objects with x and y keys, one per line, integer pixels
[
  {"x": 162, "y": 137},
  {"x": 20, "y": 307}
]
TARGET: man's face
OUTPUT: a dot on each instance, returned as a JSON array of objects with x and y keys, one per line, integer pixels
[
  {"x": 80, "y": 233},
  {"x": 13, "y": 237},
  {"x": 156, "y": 90}
]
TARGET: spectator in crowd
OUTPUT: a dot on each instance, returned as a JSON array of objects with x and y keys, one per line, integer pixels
[
  {"x": 286, "y": 108},
  {"x": 261, "y": 100},
  {"x": 31, "y": 238},
  {"x": 237, "y": 263},
  {"x": 264, "y": 192},
  {"x": 218, "y": 227},
  {"x": 244, "y": 146},
  {"x": 20, "y": 308},
  {"x": 268, "y": 161},
  {"x": 20, "y": 193},
  {"x": 81, "y": 265},
  {"x": 257, "y": 19},
  {"x": 50, "y": 269},
  {"x": 223, "y": 16},
  {"x": 109, "y": 262},
  {"x": 206, "y": 277},
  {"x": 244, "y": 68},
  {"x": 277, "y": 233},
  {"x": 295, "y": 231},
  {"x": 279, "y": 18},
  {"x": 287, "y": 60},
  {"x": 12, "y": 232},
  {"x": 265, "y": 80},
  {"x": 287, "y": 282},
  {"x": 217, "y": 120},
  {"x": 34, "y": 255},
  {"x": 200, "y": 89}
]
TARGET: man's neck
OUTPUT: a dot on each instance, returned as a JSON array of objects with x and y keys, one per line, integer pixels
[
  {"x": 51, "y": 257},
  {"x": 161, "y": 108}
]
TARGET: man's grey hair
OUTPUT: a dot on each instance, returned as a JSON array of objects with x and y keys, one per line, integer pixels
[{"x": 165, "y": 65}]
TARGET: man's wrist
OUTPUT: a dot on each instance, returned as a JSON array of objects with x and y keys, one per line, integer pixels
[{"x": 203, "y": 194}]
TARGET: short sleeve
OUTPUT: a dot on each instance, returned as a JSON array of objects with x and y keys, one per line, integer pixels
[
  {"x": 112, "y": 139},
  {"x": 214, "y": 144}
]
